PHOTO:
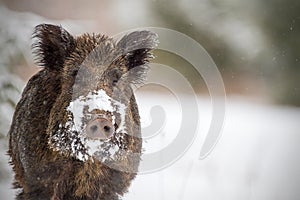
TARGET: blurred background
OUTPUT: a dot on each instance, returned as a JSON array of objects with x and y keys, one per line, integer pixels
[{"x": 256, "y": 47}]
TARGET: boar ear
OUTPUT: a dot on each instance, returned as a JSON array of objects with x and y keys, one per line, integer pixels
[
  {"x": 52, "y": 45},
  {"x": 136, "y": 46}
]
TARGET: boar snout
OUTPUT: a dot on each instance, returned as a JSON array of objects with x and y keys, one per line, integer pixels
[{"x": 100, "y": 128}]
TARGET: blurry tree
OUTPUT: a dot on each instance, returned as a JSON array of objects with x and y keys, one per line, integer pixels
[
  {"x": 277, "y": 65},
  {"x": 281, "y": 22},
  {"x": 10, "y": 85},
  {"x": 175, "y": 17},
  {"x": 236, "y": 70}
]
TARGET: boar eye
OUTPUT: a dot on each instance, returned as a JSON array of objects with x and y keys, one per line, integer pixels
[{"x": 115, "y": 76}]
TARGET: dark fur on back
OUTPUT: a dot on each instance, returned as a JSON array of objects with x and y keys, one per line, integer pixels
[{"x": 41, "y": 170}]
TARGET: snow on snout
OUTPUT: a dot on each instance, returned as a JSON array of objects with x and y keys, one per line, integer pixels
[{"x": 94, "y": 100}]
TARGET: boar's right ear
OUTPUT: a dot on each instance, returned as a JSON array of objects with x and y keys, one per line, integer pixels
[{"x": 52, "y": 45}]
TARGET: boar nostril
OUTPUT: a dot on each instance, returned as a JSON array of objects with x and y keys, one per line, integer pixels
[
  {"x": 100, "y": 128},
  {"x": 106, "y": 128},
  {"x": 94, "y": 128}
]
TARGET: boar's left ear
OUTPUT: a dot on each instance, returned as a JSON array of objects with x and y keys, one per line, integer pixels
[
  {"x": 52, "y": 45},
  {"x": 136, "y": 46}
]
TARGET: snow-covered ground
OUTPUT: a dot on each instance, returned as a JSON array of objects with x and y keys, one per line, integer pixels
[{"x": 256, "y": 158}]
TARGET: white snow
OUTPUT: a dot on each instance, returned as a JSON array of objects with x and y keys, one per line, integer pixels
[
  {"x": 256, "y": 158},
  {"x": 121, "y": 109}
]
